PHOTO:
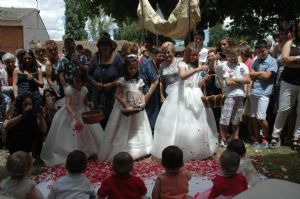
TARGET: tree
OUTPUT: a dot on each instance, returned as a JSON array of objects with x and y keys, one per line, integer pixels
[
  {"x": 75, "y": 21},
  {"x": 215, "y": 33},
  {"x": 99, "y": 24},
  {"x": 128, "y": 31},
  {"x": 252, "y": 18}
]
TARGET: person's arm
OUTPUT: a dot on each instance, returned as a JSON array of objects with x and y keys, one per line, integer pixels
[
  {"x": 151, "y": 90},
  {"x": 142, "y": 96},
  {"x": 68, "y": 101},
  {"x": 156, "y": 190},
  {"x": 8, "y": 123},
  {"x": 15, "y": 82},
  {"x": 184, "y": 74},
  {"x": 245, "y": 80},
  {"x": 119, "y": 94},
  {"x": 39, "y": 81},
  {"x": 41, "y": 121},
  {"x": 230, "y": 81},
  {"x": 161, "y": 92},
  {"x": 35, "y": 194},
  {"x": 49, "y": 75},
  {"x": 290, "y": 61},
  {"x": 62, "y": 79}
]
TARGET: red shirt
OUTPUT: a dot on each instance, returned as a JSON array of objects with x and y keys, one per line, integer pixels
[
  {"x": 228, "y": 186},
  {"x": 122, "y": 187}
]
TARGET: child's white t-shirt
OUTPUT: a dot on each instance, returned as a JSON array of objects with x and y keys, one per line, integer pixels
[{"x": 236, "y": 71}]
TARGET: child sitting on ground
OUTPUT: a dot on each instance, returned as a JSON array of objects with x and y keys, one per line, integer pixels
[
  {"x": 18, "y": 184},
  {"x": 229, "y": 183},
  {"x": 246, "y": 167},
  {"x": 75, "y": 184},
  {"x": 174, "y": 183},
  {"x": 121, "y": 184}
]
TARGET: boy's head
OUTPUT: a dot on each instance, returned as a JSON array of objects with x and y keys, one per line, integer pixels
[
  {"x": 172, "y": 157},
  {"x": 230, "y": 162},
  {"x": 262, "y": 49},
  {"x": 232, "y": 54},
  {"x": 19, "y": 164},
  {"x": 76, "y": 162},
  {"x": 122, "y": 163},
  {"x": 238, "y": 146}
]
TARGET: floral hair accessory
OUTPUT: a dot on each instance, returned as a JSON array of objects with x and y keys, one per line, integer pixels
[{"x": 131, "y": 57}]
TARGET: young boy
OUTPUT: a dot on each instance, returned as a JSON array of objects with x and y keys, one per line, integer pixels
[
  {"x": 262, "y": 73},
  {"x": 235, "y": 75},
  {"x": 74, "y": 184},
  {"x": 122, "y": 184}
]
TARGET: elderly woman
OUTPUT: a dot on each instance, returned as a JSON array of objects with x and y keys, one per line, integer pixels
[
  {"x": 168, "y": 70},
  {"x": 103, "y": 73},
  {"x": 9, "y": 61},
  {"x": 289, "y": 88}
]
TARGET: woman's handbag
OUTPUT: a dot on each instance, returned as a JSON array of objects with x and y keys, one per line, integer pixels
[{"x": 213, "y": 101}]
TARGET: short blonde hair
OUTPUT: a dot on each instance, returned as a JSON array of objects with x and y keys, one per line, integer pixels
[
  {"x": 166, "y": 45},
  {"x": 38, "y": 46},
  {"x": 19, "y": 164}
]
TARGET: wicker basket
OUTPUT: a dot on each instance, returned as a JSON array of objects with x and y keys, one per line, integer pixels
[
  {"x": 213, "y": 101},
  {"x": 92, "y": 117}
]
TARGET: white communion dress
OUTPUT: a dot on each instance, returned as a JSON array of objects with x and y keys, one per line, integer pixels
[
  {"x": 185, "y": 122},
  {"x": 130, "y": 133},
  {"x": 62, "y": 139}
]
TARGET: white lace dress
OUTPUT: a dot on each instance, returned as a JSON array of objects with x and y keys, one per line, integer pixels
[{"x": 185, "y": 122}]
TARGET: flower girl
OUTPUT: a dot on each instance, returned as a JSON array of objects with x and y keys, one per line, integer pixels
[
  {"x": 68, "y": 132},
  {"x": 128, "y": 128}
]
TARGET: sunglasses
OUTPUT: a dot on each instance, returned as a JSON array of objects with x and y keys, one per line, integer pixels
[{"x": 131, "y": 57}]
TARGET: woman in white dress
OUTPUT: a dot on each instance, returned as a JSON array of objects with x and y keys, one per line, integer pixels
[
  {"x": 132, "y": 132},
  {"x": 183, "y": 120},
  {"x": 67, "y": 131}
]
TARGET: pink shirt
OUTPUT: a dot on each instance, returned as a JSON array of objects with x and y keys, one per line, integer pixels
[
  {"x": 174, "y": 186},
  {"x": 249, "y": 63}
]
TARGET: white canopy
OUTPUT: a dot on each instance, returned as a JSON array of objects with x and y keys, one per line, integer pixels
[{"x": 177, "y": 25}]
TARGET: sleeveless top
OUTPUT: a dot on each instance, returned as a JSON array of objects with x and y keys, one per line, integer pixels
[
  {"x": 27, "y": 86},
  {"x": 292, "y": 75},
  {"x": 175, "y": 186}
]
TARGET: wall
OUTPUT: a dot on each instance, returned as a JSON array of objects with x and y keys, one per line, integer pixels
[
  {"x": 11, "y": 38},
  {"x": 34, "y": 29}
]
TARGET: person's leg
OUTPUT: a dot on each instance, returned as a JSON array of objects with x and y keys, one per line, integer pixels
[
  {"x": 237, "y": 113},
  {"x": 261, "y": 115},
  {"x": 297, "y": 124},
  {"x": 226, "y": 112},
  {"x": 287, "y": 99},
  {"x": 253, "y": 124}
]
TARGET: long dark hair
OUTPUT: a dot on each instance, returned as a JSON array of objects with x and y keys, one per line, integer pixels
[{"x": 34, "y": 65}]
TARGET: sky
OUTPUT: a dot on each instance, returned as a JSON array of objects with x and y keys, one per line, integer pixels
[{"x": 51, "y": 11}]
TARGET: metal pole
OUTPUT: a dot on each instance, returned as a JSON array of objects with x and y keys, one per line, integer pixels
[
  {"x": 189, "y": 10},
  {"x": 143, "y": 29}
]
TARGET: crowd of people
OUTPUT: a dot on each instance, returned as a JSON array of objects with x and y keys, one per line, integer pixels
[{"x": 150, "y": 99}]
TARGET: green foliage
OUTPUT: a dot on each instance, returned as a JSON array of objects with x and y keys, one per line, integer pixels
[
  {"x": 215, "y": 33},
  {"x": 99, "y": 24},
  {"x": 128, "y": 31},
  {"x": 75, "y": 21}
]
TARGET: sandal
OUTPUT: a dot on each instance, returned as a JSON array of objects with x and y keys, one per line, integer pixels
[
  {"x": 295, "y": 144},
  {"x": 275, "y": 142}
]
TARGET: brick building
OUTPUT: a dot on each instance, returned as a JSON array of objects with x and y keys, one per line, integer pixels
[{"x": 21, "y": 28}]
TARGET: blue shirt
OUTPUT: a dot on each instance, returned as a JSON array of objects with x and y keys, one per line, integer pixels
[{"x": 261, "y": 87}]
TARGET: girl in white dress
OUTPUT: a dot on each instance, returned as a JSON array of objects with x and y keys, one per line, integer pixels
[
  {"x": 128, "y": 132},
  {"x": 183, "y": 120},
  {"x": 67, "y": 131}
]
